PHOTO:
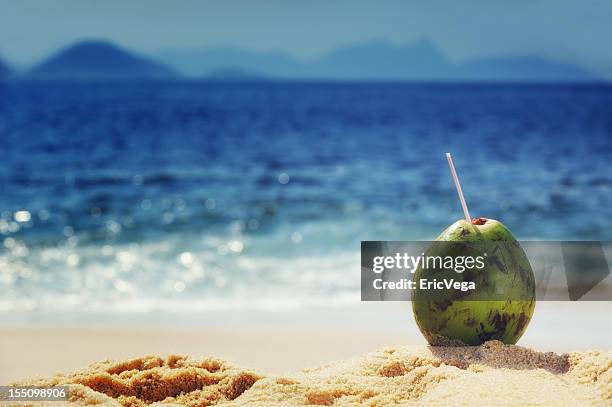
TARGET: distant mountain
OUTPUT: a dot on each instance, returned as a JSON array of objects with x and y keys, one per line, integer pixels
[
  {"x": 99, "y": 59},
  {"x": 375, "y": 60},
  {"x": 381, "y": 60},
  {"x": 422, "y": 60},
  {"x": 371, "y": 60},
  {"x": 521, "y": 68},
  {"x": 202, "y": 62},
  {"x": 234, "y": 74}
]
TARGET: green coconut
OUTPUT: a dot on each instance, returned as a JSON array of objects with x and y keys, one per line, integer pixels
[{"x": 501, "y": 305}]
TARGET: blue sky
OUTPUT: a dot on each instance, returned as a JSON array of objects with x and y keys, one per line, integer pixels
[{"x": 573, "y": 31}]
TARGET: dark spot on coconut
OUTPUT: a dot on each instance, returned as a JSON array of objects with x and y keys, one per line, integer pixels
[
  {"x": 520, "y": 323},
  {"x": 528, "y": 279},
  {"x": 443, "y": 324},
  {"x": 498, "y": 263},
  {"x": 487, "y": 336},
  {"x": 464, "y": 232},
  {"x": 431, "y": 307},
  {"x": 442, "y": 305},
  {"x": 471, "y": 321},
  {"x": 500, "y": 321}
]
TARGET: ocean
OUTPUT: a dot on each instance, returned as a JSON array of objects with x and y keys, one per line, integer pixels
[{"x": 193, "y": 196}]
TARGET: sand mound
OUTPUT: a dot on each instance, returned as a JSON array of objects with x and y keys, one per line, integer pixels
[
  {"x": 491, "y": 374},
  {"x": 143, "y": 381}
]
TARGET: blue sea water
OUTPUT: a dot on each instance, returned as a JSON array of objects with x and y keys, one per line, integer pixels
[{"x": 190, "y": 196}]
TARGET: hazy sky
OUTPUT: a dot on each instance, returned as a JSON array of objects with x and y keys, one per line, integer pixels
[{"x": 577, "y": 31}]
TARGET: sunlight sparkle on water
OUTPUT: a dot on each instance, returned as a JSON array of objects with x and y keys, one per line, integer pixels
[{"x": 22, "y": 216}]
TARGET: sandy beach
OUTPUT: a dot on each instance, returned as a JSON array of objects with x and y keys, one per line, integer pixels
[
  {"x": 491, "y": 374},
  {"x": 372, "y": 354},
  {"x": 27, "y": 353}
]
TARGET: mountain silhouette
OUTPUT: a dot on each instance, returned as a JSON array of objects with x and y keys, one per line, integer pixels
[
  {"x": 99, "y": 59},
  {"x": 206, "y": 61},
  {"x": 421, "y": 60},
  {"x": 381, "y": 60},
  {"x": 521, "y": 68},
  {"x": 234, "y": 74}
]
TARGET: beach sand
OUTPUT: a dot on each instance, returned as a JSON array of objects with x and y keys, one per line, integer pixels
[
  {"x": 491, "y": 374},
  {"x": 286, "y": 358},
  {"x": 43, "y": 352}
]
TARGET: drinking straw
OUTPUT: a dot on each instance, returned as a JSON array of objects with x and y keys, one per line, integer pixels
[{"x": 458, "y": 186}]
